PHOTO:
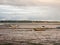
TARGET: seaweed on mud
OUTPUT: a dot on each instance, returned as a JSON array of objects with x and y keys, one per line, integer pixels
[
  {"x": 36, "y": 44},
  {"x": 7, "y": 44},
  {"x": 57, "y": 44},
  {"x": 27, "y": 44}
]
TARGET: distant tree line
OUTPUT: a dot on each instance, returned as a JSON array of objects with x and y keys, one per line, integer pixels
[{"x": 16, "y": 21}]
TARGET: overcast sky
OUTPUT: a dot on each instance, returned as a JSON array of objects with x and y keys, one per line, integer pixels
[
  {"x": 29, "y": 2},
  {"x": 30, "y": 10}
]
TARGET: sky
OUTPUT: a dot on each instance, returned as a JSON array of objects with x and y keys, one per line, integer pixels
[
  {"x": 29, "y": 2},
  {"x": 30, "y": 10}
]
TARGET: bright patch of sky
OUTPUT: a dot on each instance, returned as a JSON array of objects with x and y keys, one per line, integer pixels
[{"x": 8, "y": 12}]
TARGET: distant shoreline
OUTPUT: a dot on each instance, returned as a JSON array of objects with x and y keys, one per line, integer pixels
[{"x": 27, "y": 21}]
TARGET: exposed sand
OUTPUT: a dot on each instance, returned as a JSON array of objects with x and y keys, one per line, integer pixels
[{"x": 16, "y": 35}]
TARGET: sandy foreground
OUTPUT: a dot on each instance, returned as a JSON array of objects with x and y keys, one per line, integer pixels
[{"x": 24, "y": 37}]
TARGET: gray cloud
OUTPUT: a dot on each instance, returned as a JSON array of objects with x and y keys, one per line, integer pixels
[
  {"x": 29, "y": 13},
  {"x": 30, "y": 2}
]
